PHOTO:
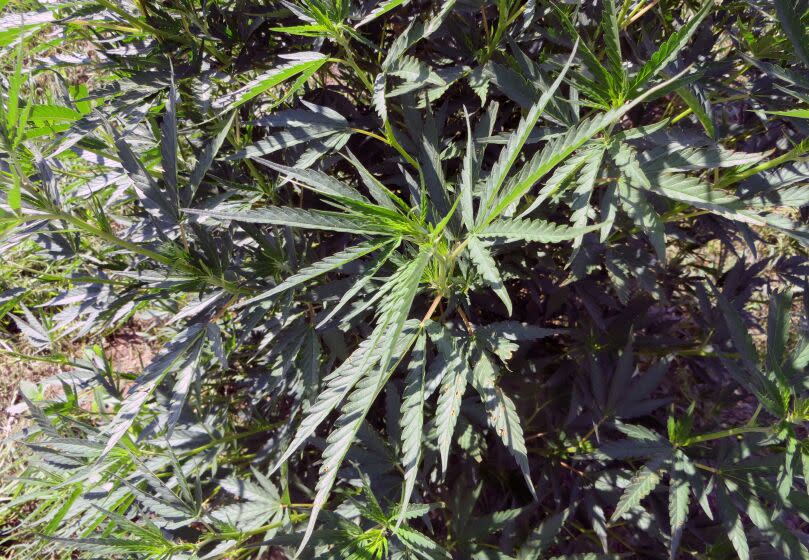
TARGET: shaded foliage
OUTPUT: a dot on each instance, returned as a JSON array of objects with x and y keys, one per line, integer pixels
[{"x": 433, "y": 279}]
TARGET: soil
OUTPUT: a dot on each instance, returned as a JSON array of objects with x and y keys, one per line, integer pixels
[{"x": 127, "y": 350}]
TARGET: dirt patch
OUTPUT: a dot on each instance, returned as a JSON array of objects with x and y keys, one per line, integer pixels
[{"x": 128, "y": 350}]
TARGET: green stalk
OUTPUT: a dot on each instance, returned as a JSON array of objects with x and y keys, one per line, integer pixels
[{"x": 731, "y": 432}]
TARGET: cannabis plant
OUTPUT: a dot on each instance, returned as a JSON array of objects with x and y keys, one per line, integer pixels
[{"x": 471, "y": 279}]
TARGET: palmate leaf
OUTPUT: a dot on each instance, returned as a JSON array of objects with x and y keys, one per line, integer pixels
[
  {"x": 295, "y": 217},
  {"x": 299, "y": 63},
  {"x": 336, "y": 386},
  {"x": 533, "y": 230},
  {"x": 487, "y": 268},
  {"x": 640, "y": 485},
  {"x": 682, "y": 472},
  {"x": 316, "y": 180},
  {"x": 341, "y": 437},
  {"x": 454, "y": 378},
  {"x": 360, "y": 283},
  {"x": 182, "y": 352},
  {"x": 411, "y": 421},
  {"x": 511, "y": 151},
  {"x": 613, "y": 41},
  {"x": 502, "y": 415},
  {"x": 583, "y": 190},
  {"x": 732, "y": 522},
  {"x": 669, "y": 49},
  {"x": 323, "y": 266},
  {"x": 390, "y": 337},
  {"x": 556, "y": 151},
  {"x": 280, "y": 369},
  {"x": 380, "y": 10}
]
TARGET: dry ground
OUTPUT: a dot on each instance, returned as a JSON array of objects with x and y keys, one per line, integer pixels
[{"x": 126, "y": 350}]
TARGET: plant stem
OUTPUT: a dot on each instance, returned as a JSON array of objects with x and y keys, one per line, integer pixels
[{"x": 731, "y": 432}]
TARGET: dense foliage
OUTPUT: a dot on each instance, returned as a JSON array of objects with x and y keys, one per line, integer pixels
[{"x": 480, "y": 279}]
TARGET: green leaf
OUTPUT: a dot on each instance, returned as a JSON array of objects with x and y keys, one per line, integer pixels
[
  {"x": 295, "y": 217},
  {"x": 336, "y": 386},
  {"x": 395, "y": 306},
  {"x": 453, "y": 386},
  {"x": 669, "y": 49},
  {"x": 739, "y": 333},
  {"x": 421, "y": 544},
  {"x": 469, "y": 174},
  {"x": 644, "y": 215},
  {"x": 50, "y": 113},
  {"x": 360, "y": 282},
  {"x": 15, "y": 194},
  {"x": 778, "y": 535},
  {"x": 415, "y": 32},
  {"x": 778, "y": 327},
  {"x": 168, "y": 140},
  {"x": 411, "y": 421},
  {"x": 641, "y": 485},
  {"x": 383, "y": 8},
  {"x": 502, "y": 415},
  {"x": 794, "y": 28},
  {"x": 679, "y": 490},
  {"x": 328, "y": 264},
  {"x": 558, "y": 149},
  {"x": 487, "y": 268},
  {"x": 612, "y": 39},
  {"x": 733, "y": 524},
  {"x": 379, "y": 192},
  {"x": 306, "y": 63},
  {"x": 13, "y": 93},
  {"x": 387, "y": 336},
  {"x": 356, "y": 407},
  {"x": 701, "y": 108},
  {"x": 603, "y": 82},
  {"x": 207, "y": 155},
  {"x": 513, "y": 148},
  {"x": 534, "y": 230},
  {"x": 316, "y": 181},
  {"x": 585, "y": 185},
  {"x": 179, "y": 355},
  {"x": 794, "y": 113}
]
